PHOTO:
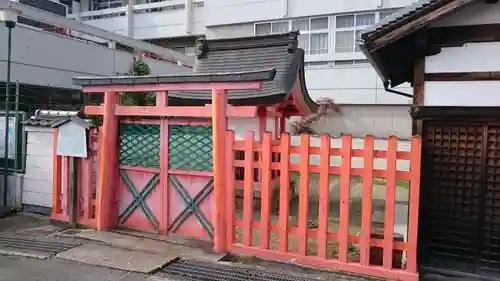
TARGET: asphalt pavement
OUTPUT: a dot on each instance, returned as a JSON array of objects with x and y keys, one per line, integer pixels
[{"x": 14, "y": 268}]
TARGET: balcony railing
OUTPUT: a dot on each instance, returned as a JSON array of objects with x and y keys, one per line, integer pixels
[{"x": 137, "y": 9}]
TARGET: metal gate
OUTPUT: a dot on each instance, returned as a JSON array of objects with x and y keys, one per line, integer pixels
[{"x": 460, "y": 197}]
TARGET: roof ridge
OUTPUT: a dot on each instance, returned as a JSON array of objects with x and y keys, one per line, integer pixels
[{"x": 203, "y": 46}]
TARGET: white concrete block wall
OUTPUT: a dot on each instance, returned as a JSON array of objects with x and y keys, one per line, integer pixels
[{"x": 37, "y": 180}]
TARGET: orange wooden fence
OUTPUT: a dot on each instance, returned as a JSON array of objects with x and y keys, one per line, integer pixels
[
  {"x": 85, "y": 184},
  {"x": 275, "y": 231}
]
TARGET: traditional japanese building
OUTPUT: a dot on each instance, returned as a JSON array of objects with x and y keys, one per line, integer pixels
[{"x": 448, "y": 50}]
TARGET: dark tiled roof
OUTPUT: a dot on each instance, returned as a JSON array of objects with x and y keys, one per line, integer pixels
[
  {"x": 401, "y": 16},
  {"x": 244, "y": 57}
]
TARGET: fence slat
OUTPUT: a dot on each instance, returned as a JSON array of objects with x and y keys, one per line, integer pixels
[
  {"x": 230, "y": 189},
  {"x": 345, "y": 186},
  {"x": 66, "y": 186},
  {"x": 303, "y": 195},
  {"x": 284, "y": 192},
  {"x": 416, "y": 149},
  {"x": 86, "y": 187},
  {"x": 248, "y": 191},
  {"x": 265, "y": 193},
  {"x": 366, "y": 220},
  {"x": 324, "y": 180},
  {"x": 164, "y": 155},
  {"x": 390, "y": 202},
  {"x": 56, "y": 176}
]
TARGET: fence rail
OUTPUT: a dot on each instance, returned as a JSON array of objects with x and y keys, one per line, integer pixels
[{"x": 275, "y": 233}]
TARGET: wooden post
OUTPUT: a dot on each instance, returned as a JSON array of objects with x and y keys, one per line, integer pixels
[
  {"x": 107, "y": 162},
  {"x": 219, "y": 123},
  {"x": 56, "y": 177}
]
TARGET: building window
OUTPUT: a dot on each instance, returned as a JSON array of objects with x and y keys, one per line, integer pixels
[
  {"x": 348, "y": 30},
  {"x": 187, "y": 50},
  {"x": 314, "y": 32}
]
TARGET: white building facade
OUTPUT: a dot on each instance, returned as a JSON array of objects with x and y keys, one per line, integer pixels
[{"x": 335, "y": 67}]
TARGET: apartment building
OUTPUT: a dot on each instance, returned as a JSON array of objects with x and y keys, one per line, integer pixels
[{"x": 329, "y": 31}]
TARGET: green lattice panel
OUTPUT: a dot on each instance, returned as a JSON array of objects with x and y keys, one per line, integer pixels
[
  {"x": 140, "y": 145},
  {"x": 190, "y": 148}
]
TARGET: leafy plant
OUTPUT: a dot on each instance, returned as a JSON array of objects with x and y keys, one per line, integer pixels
[
  {"x": 304, "y": 124},
  {"x": 139, "y": 68}
]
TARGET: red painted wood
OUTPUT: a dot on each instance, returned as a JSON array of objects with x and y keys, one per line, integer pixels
[
  {"x": 248, "y": 191},
  {"x": 284, "y": 192},
  {"x": 138, "y": 219},
  {"x": 345, "y": 186},
  {"x": 191, "y": 227},
  {"x": 265, "y": 200},
  {"x": 219, "y": 119},
  {"x": 323, "y": 196},
  {"x": 230, "y": 198},
  {"x": 303, "y": 195},
  {"x": 390, "y": 202},
  {"x": 191, "y": 173},
  {"x": 366, "y": 214},
  {"x": 107, "y": 164},
  {"x": 141, "y": 169},
  {"x": 175, "y": 87},
  {"x": 356, "y": 268},
  {"x": 411, "y": 259},
  {"x": 164, "y": 184},
  {"x": 56, "y": 176},
  {"x": 172, "y": 111}
]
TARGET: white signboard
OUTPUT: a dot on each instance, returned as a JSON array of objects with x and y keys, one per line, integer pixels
[
  {"x": 12, "y": 137},
  {"x": 72, "y": 140}
]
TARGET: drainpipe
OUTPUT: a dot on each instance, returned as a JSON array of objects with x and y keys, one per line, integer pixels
[
  {"x": 75, "y": 6},
  {"x": 284, "y": 11},
  {"x": 188, "y": 16},
  {"x": 130, "y": 18},
  {"x": 386, "y": 88}
]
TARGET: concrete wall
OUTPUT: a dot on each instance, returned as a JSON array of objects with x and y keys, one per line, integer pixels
[
  {"x": 37, "y": 180},
  {"x": 46, "y": 59}
]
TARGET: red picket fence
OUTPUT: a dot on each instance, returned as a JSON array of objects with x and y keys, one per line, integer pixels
[
  {"x": 275, "y": 231},
  {"x": 86, "y": 170}
]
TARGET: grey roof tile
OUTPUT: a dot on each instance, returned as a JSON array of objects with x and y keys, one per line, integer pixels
[{"x": 401, "y": 15}]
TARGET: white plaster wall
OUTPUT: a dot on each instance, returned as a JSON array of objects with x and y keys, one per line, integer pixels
[
  {"x": 472, "y": 57},
  {"x": 477, "y": 13},
  {"x": 37, "y": 181}
]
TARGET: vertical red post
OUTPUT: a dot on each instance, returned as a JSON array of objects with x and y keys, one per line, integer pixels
[
  {"x": 162, "y": 102},
  {"x": 265, "y": 193},
  {"x": 219, "y": 123},
  {"x": 390, "y": 202},
  {"x": 276, "y": 127},
  {"x": 366, "y": 213},
  {"x": 56, "y": 176},
  {"x": 282, "y": 124},
  {"x": 345, "y": 189},
  {"x": 324, "y": 182},
  {"x": 303, "y": 195},
  {"x": 66, "y": 186},
  {"x": 107, "y": 163},
  {"x": 230, "y": 195},
  {"x": 284, "y": 191},
  {"x": 415, "y": 166},
  {"x": 248, "y": 190},
  {"x": 86, "y": 180}
]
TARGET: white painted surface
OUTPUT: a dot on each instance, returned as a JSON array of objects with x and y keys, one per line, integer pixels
[
  {"x": 46, "y": 59},
  {"x": 240, "y": 11},
  {"x": 477, "y": 13},
  {"x": 471, "y": 57},
  {"x": 462, "y": 93},
  {"x": 37, "y": 181}
]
